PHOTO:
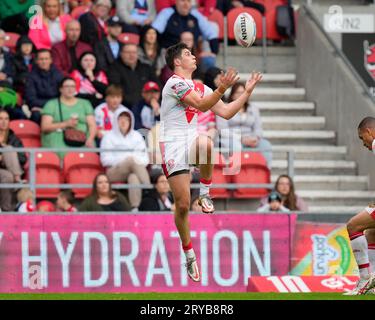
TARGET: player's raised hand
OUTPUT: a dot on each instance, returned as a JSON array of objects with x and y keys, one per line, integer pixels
[
  {"x": 252, "y": 81},
  {"x": 229, "y": 78}
]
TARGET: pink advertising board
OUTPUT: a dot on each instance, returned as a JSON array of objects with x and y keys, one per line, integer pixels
[{"x": 139, "y": 253}]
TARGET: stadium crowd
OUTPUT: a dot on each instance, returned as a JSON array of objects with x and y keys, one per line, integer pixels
[{"x": 98, "y": 67}]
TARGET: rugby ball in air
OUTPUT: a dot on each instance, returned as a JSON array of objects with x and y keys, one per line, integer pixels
[{"x": 245, "y": 30}]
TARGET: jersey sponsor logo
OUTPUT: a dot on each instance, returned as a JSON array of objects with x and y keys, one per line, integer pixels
[{"x": 180, "y": 88}]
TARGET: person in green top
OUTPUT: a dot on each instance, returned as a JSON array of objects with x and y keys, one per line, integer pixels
[{"x": 77, "y": 113}]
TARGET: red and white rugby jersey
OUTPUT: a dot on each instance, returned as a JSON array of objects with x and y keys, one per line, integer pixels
[{"x": 178, "y": 120}]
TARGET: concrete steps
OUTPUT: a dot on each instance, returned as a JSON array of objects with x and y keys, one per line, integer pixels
[
  {"x": 328, "y": 182},
  {"x": 278, "y": 94},
  {"x": 293, "y": 123},
  {"x": 290, "y": 108},
  {"x": 307, "y": 152},
  {"x": 307, "y": 137},
  {"x": 273, "y": 79},
  {"x": 337, "y": 197},
  {"x": 311, "y": 167}
]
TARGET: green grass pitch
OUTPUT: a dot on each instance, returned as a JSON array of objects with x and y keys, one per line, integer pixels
[{"x": 184, "y": 296}]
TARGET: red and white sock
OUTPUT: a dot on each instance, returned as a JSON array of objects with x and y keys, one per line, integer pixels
[
  {"x": 360, "y": 250},
  {"x": 205, "y": 185},
  {"x": 371, "y": 256},
  {"x": 189, "y": 251}
]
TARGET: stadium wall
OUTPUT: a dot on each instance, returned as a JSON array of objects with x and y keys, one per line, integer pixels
[
  {"x": 337, "y": 94},
  {"x": 117, "y": 253}
]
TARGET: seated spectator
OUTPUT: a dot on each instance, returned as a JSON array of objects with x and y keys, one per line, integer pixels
[
  {"x": 275, "y": 203},
  {"x": 147, "y": 111},
  {"x": 171, "y": 22},
  {"x": 153, "y": 147},
  {"x": 285, "y": 186},
  {"x": 130, "y": 74},
  {"x": 136, "y": 13},
  {"x": 107, "y": 50},
  {"x": 104, "y": 113},
  {"x": 128, "y": 166},
  {"x": 23, "y": 62},
  {"x": 65, "y": 201},
  {"x": 91, "y": 82},
  {"x": 45, "y": 206},
  {"x": 75, "y": 113},
  {"x": 93, "y": 26},
  {"x": 160, "y": 198},
  {"x": 6, "y": 63},
  {"x": 11, "y": 163},
  {"x": 149, "y": 51},
  {"x": 248, "y": 123},
  {"x": 65, "y": 54},
  {"x": 225, "y": 5},
  {"x": 49, "y": 27},
  {"x": 103, "y": 198},
  {"x": 25, "y": 201},
  {"x": 41, "y": 84}
]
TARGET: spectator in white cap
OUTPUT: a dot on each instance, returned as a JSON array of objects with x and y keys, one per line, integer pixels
[
  {"x": 147, "y": 111},
  {"x": 93, "y": 26}
]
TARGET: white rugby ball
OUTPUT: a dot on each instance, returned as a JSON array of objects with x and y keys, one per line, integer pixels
[{"x": 245, "y": 30}]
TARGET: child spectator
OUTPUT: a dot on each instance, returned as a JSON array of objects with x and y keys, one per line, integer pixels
[
  {"x": 285, "y": 186},
  {"x": 65, "y": 201},
  {"x": 147, "y": 111},
  {"x": 274, "y": 203},
  {"x": 104, "y": 112},
  {"x": 45, "y": 206},
  {"x": 130, "y": 165},
  {"x": 25, "y": 202}
]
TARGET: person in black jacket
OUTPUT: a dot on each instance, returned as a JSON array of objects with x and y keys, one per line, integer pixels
[
  {"x": 92, "y": 22},
  {"x": 42, "y": 84},
  {"x": 108, "y": 49},
  {"x": 6, "y": 63},
  {"x": 159, "y": 198},
  {"x": 131, "y": 74},
  {"x": 11, "y": 163},
  {"x": 23, "y": 61}
]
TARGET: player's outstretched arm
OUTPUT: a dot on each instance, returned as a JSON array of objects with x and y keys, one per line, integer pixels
[
  {"x": 227, "y": 111},
  {"x": 206, "y": 103}
]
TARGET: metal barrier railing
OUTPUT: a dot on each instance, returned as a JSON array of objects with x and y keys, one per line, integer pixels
[{"x": 32, "y": 170}]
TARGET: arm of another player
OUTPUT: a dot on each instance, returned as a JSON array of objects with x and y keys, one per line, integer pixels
[
  {"x": 228, "y": 110},
  {"x": 206, "y": 103}
]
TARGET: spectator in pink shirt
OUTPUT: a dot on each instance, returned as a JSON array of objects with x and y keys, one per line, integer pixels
[{"x": 49, "y": 28}]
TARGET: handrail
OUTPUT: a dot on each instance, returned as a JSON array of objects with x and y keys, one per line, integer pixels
[{"x": 310, "y": 14}]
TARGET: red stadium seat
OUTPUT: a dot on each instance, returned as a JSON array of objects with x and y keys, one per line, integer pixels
[
  {"x": 253, "y": 170},
  {"x": 162, "y": 4},
  {"x": 78, "y": 11},
  {"x": 81, "y": 168},
  {"x": 271, "y": 13},
  {"x": 11, "y": 40},
  {"x": 218, "y": 176},
  {"x": 233, "y": 14},
  {"x": 217, "y": 17},
  {"x": 48, "y": 171},
  {"x": 126, "y": 37},
  {"x": 28, "y": 131}
]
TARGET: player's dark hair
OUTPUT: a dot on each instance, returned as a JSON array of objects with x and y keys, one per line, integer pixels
[
  {"x": 368, "y": 122},
  {"x": 174, "y": 52}
]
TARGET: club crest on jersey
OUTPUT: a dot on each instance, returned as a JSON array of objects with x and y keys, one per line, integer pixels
[{"x": 171, "y": 163}]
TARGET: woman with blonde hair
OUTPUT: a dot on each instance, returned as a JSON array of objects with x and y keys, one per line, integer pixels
[{"x": 49, "y": 28}]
